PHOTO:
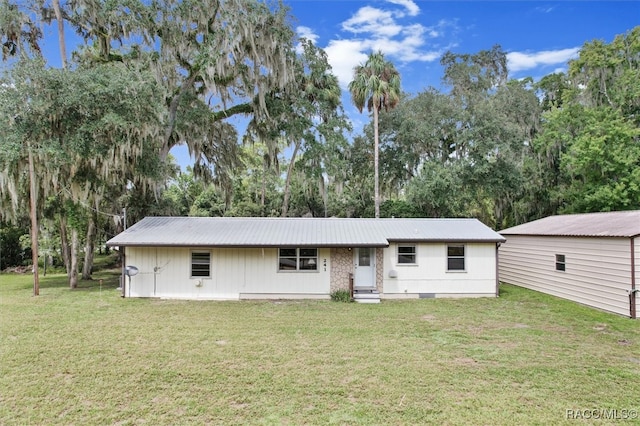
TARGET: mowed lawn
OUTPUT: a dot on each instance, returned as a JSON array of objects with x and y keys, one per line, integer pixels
[{"x": 90, "y": 357}]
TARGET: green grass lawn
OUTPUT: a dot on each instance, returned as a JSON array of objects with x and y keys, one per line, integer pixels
[{"x": 88, "y": 356}]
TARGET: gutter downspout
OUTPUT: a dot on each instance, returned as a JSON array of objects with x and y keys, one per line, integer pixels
[
  {"x": 632, "y": 293},
  {"x": 124, "y": 257},
  {"x": 497, "y": 270},
  {"x": 124, "y": 274}
]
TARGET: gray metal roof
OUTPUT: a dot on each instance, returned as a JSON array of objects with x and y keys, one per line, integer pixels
[
  {"x": 313, "y": 232},
  {"x": 607, "y": 224}
]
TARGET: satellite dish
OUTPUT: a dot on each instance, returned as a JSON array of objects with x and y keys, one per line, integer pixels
[{"x": 131, "y": 271}]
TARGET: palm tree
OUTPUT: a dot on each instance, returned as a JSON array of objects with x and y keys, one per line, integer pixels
[
  {"x": 61, "y": 41},
  {"x": 376, "y": 82}
]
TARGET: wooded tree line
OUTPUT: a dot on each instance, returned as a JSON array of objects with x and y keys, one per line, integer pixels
[{"x": 82, "y": 142}]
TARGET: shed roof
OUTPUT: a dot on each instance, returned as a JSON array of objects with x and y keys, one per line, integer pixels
[
  {"x": 279, "y": 232},
  {"x": 606, "y": 224}
]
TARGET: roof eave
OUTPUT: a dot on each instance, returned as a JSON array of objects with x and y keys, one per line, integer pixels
[
  {"x": 536, "y": 234},
  {"x": 341, "y": 245}
]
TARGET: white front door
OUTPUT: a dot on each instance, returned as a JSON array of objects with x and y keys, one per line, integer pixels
[{"x": 364, "y": 267}]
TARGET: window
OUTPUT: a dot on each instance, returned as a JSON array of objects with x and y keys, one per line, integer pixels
[
  {"x": 560, "y": 263},
  {"x": 364, "y": 256},
  {"x": 407, "y": 254},
  {"x": 200, "y": 264},
  {"x": 298, "y": 259},
  {"x": 455, "y": 257}
]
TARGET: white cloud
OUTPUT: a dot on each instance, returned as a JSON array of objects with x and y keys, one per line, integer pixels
[
  {"x": 521, "y": 61},
  {"x": 344, "y": 55},
  {"x": 545, "y": 9},
  {"x": 307, "y": 33},
  {"x": 377, "y": 22},
  {"x": 411, "y": 7},
  {"x": 390, "y": 30}
]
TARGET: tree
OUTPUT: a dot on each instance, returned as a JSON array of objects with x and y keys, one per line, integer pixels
[
  {"x": 76, "y": 132},
  {"x": 609, "y": 74},
  {"x": 220, "y": 58},
  {"x": 305, "y": 115},
  {"x": 589, "y": 143},
  {"x": 551, "y": 89},
  {"x": 376, "y": 83},
  {"x": 598, "y": 157},
  {"x": 421, "y": 129},
  {"x": 214, "y": 59},
  {"x": 19, "y": 34}
]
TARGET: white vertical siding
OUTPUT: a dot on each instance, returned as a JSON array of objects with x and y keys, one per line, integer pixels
[
  {"x": 235, "y": 273},
  {"x": 429, "y": 276},
  {"x": 142, "y": 258},
  {"x": 598, "y": 270}
]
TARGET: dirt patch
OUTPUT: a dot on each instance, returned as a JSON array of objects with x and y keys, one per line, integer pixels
[
  {"x": 19, "y": 269},
  {"x": 519, "y": 325},
  {"x": 465, "y": 361}
]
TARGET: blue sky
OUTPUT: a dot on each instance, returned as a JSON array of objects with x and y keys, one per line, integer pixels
[{"x": 540, "y": 37}]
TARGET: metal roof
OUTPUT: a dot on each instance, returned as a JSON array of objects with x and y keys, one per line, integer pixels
[
  {"x": 312, "y": 232},
  {"x": 606, "y": 224}
]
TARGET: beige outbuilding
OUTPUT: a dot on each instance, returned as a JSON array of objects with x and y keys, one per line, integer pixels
[{"x": 589, "y": 258}]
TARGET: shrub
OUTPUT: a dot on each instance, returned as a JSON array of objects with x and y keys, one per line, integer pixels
[{"x": 341, "y": 296}]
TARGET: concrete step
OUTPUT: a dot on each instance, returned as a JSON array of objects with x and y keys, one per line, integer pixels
[
  {"x": 366, "y": 296},
  {"x": 364, "y": 290},
  {"x": 355, "y": 299}
]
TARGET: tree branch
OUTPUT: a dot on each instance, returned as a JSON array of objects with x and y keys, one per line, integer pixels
[{"x": 245, "y": 108}]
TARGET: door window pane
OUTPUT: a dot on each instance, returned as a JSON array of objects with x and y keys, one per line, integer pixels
[{"x": 364, "y": 256}]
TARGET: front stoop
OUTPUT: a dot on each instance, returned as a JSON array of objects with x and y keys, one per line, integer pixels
[{"x": 366, "y": 295}]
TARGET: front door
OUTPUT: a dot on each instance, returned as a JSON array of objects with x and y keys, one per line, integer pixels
[{"x": 364, "y": 267}]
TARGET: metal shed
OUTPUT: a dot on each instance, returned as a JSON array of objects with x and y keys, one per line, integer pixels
[{"x": 588, "y": 258}]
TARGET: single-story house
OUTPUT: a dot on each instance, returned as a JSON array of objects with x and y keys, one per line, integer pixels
[
  {"x": 285, "y": 258},
  {"x": 589, "y": 258}
]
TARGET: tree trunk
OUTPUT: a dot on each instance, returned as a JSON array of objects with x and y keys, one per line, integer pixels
[
  {"x": 34, "y": 222},
  {"x": 61, "y": 41},
  {"x": 323, "y": 193},
  {"x": 64, "y": 244},
  {"x": 73, "y": 274},
  {"x": 89, "y": 247},
  {"x": 287, "y": 183},
  {"x": 376, "y": 185},
  {"x": 173, "y": 112}
]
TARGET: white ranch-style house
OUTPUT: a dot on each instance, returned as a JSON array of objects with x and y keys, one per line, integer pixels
[{"x": 288, "y": 258}]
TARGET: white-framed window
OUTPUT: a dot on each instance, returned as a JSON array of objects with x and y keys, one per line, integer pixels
[
  {"x": 455, "y": 257},
  {"x": 560, "y": 262},
  {"x": 297, "y": 259},
  {"x": 201, "y": 264},
  {"x": 407, "y": 254}
]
